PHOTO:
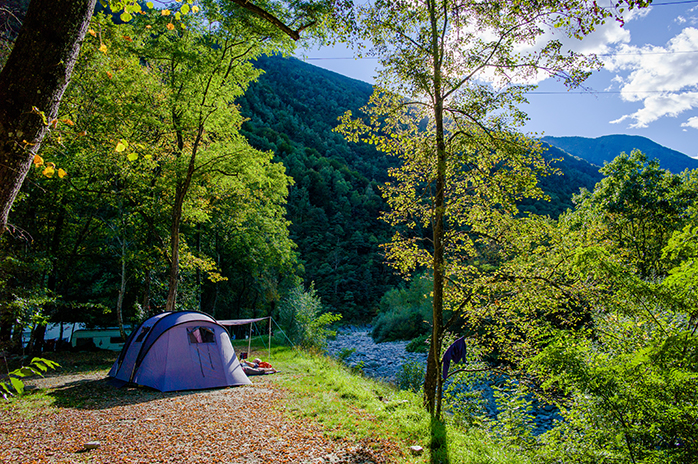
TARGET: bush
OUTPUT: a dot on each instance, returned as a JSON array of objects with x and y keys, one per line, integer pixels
[
  {"x": 410, "y": 376},
  {"x": 418, "y": 345},
  {"x": 301, "y": 317},
  {"x": 404, "y": 313}
]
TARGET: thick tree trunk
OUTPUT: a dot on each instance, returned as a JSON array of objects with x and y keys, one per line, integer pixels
[{"x": 35, "y": 76}]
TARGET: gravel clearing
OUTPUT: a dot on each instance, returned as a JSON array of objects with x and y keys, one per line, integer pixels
[{"x": 246, "y": 425}]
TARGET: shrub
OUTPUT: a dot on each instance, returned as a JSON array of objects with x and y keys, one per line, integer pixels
[
  {"x": 410, "y": 376},
  {"x": 301, "y": 317},
  {"x": 404, "y": 313},
  {"x": 418, "y": 345}
]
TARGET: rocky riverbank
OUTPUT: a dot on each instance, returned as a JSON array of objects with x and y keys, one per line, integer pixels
[{"x": 377, "y": 360}]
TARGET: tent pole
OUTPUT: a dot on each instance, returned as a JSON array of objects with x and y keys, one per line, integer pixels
[
  {"x": 249, "y": 343},
  {"x": 270, "y": 338}
]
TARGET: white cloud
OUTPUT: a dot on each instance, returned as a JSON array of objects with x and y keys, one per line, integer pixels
[
  {"x": 658, "y": 106},
  {"x": 692, "y": 122},
  {"x": 601, "y": 41},
  {"x": 664, "y": 78}
]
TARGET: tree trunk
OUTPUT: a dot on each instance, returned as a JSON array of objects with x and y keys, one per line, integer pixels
[
  {"x": 122, "y": 289},
  {"x": 432, "y": 385},
  {"x": 174, "y": 249},
  {"x": 35, "y": 76}
]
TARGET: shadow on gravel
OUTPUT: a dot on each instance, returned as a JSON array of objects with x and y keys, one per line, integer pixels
[{"x": 98, "y": 394}]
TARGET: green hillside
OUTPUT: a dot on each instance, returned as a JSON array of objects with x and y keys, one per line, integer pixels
[{"x": 335, "y": 202}]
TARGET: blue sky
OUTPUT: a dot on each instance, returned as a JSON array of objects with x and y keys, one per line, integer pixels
[{"x": 648, "y": 87}]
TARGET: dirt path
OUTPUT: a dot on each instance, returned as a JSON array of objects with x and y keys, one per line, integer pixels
[{"x": 245, "y": 425}]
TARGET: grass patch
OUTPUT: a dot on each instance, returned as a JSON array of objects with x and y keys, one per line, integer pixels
[
  {"x": 359, "y": 409},
  {"x": 29, "y": 405}
]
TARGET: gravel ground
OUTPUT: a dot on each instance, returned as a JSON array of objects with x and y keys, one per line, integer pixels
[{"x": 246, "y": 425}]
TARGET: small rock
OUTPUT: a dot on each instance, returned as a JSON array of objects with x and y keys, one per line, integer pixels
[
  {"x": 90, "y": 445},
  {"x": 416, "y": 450}
]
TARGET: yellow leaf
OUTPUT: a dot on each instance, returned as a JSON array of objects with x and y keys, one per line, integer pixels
[
  {"x": 165, "y": 12},
  {"x": 178, "y": 16},
  {"x": 148, "y": 157},
  {"x": 62, "y": 173},
  {"x": 128, "y": 39},
  {"x": 121, "y": 146},
  {"x": 103, "y": 48},
  {"x": 132, "y": 156},
  {"x": 109, "y": 75},
  {"x": 38, "y": 161},
  {"x": 170, "y": 26},
  {"x": 150, "y": 5},
  {"x": 185, "y": 9},
  {"x": 148, "y": 26},
  {"x": 49, "y": 171},
  {"x": 184, "y": 26},
  {"x": 67, "y": 121},
  {"x": 92, "y": 33},
  {"x": 195, "y": 9},
  {"x": 82, "y": 134}
]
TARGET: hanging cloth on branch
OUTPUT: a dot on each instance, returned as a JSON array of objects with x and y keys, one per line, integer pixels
[{"x": 455, "y": 353}]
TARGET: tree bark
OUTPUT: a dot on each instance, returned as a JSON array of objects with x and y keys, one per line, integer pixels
[
  {"x": 35, "y": 76},
  {"x": 432, "y": 385}
]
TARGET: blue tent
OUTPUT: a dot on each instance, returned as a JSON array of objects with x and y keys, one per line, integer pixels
[{"x": 173, "y": 351}]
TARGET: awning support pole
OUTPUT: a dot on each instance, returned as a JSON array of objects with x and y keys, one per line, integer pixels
[
  {"x": 269, "y": 337},
  {"x": 249, "y": 343}
]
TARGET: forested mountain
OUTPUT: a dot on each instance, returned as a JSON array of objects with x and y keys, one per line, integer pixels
[
  {"x": 334, "y": 203},
  {"x": 292, "y": 110},
  {"x": 604, "y": 149}
]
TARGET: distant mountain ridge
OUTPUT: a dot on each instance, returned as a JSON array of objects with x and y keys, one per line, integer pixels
[{"x": 604, "y": 149}]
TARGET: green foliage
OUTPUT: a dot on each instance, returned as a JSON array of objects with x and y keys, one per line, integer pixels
[
  {"x": 334, "y": 202},
  {"x": 345, "y": 354},
  {"x": 410, "y": 376},
  {"x": 300, "y": 315},
  {"x": 418, "y": 345},
  {"x": 37, "y": 366},
  {"x": 463, "y": 398},
  {"x": 515, "y": 423},
  {"x": 136, "y": 122},
  {"x": 572, "y": 303},
  {"x": 641, "y": 205},
  {"x": 404, "y": 313}
]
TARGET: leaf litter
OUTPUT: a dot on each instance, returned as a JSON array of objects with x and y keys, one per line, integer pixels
[{"x": 245, "y": 425}]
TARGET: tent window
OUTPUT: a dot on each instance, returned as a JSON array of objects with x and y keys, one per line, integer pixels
[
  {"x": 143, "y": 333},
  {"x": 201, "y": 335}
]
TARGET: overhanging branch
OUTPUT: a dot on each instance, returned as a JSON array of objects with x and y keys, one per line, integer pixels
[{"x": 270, "y": 18}]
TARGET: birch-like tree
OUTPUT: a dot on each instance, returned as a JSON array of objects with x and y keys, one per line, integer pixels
[{"x": 453, "y": 74}]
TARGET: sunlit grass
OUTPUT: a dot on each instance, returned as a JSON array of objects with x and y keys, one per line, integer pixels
[{"x": 359, "y": 409}]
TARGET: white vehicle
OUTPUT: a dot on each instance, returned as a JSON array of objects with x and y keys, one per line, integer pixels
[{"x": 105, "y": 339}]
